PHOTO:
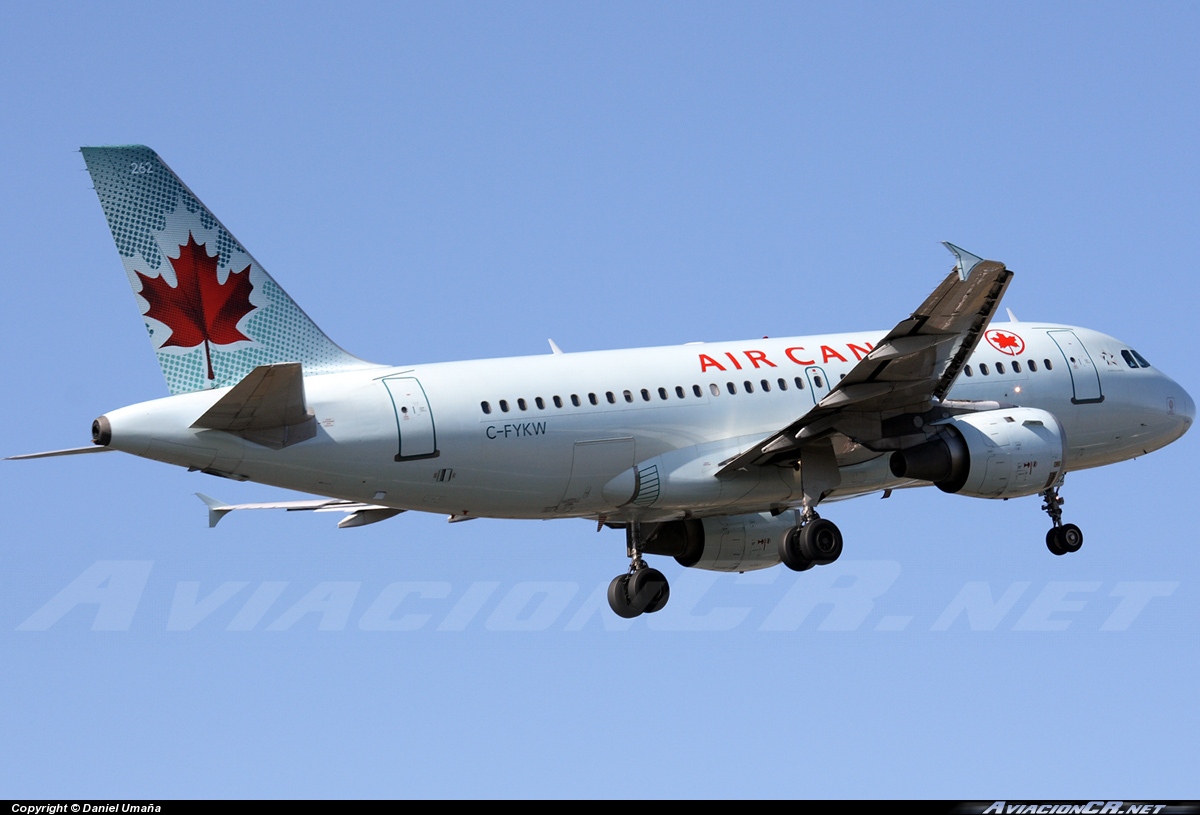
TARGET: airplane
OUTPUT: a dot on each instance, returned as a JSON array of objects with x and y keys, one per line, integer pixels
[{"x": 716, "y": 454}]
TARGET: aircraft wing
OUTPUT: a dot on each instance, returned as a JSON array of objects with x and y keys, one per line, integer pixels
[{"x": 910, "y": 370}]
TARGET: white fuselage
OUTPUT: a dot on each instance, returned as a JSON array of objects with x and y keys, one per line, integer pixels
[{"x": 541, "y": 437}]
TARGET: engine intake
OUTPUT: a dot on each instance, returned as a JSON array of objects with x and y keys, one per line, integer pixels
[
  {"x": 1002, "y": 453},
  {"x": 728, "y": 543}
]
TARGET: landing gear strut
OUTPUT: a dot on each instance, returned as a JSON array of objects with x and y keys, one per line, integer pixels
[
  {"x": 1062, "y": 538},
  {"x": 816, "y": 542},
  {"x": 643, "y": 590}
]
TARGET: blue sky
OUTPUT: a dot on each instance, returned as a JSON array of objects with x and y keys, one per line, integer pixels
[{"x": 452, "y": 181}]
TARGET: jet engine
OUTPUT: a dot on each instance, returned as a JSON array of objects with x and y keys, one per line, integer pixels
[
  {"x": 1002, "y": 453},
  {"x": 732, "y": 543}
]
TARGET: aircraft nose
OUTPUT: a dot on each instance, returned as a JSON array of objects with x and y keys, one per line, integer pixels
[{"x": 1186, "y": 409}]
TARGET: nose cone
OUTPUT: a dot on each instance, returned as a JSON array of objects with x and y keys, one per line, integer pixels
[
  {"x": 1180, "y": 409},
  {"x": 1185, "y": 409}
]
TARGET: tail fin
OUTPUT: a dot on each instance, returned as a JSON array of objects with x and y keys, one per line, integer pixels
[{"x": 213, "y": 313}]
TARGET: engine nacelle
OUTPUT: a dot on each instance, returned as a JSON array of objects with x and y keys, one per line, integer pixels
[
  {"x": 731, "y": 543},
  {"x": 1003, "y": 453}
]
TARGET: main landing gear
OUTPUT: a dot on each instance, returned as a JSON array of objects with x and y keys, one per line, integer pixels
[
  {"x": 1062, "y": 538},
  {"x": 816, "y": 542},
  {"x": 644, "y": 590}
]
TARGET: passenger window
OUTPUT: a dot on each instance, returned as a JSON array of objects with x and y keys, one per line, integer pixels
[
  {"x": 983, "y": 368},
  {"x": 818, "y": 382},
  {"x": 628, "y": 396},
  {"x": 486, "y": 407},
  {"x": 521, "y": 404},
  {"x": 782, "y": 384},
  {"x": 558, "y": 401},
  {"x": 504, "y": 405},
  {"x": 1032, "y": 363},
  {"x": 662, "y": 393},
  {"x": 592, "y": 398},
  {"x": 749, "y": 386},
  {"x": 766, "y": 386},
  {"x": 999, "y": 367},
  {"x": 799, "y": 384},
  {"x": 575, "y": 400},
  {"x": 732, "y": 388},
  {"x": 1140, "y": 358},
  {"x": 1049, "y": 367},
  {"x": 1016, "y": 366},
  {"x": 678, "y": 391},
  {"x": 696, "y": 390},
  {"x": 612, "y": 400},
  {"x": 540, "y": 402},
  {"x": 967, "y": 370},
  {"x": 645, "y": 395},
  {"x": 716, "y": 391}
]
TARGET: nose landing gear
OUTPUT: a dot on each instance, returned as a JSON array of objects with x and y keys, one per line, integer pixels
[
  {"x": 644, "y": 590},
  {"x": 1062, "y": 538}
]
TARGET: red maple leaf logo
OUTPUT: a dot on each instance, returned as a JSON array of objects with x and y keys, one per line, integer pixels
[
  {"x": 1010, "y": 344},
  {"x": 198, "y": 309}
]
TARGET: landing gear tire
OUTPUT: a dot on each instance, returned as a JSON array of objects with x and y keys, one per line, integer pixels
[
  {"x": 1070, "y": 537},
  {"x": 618, "y": 597},
  {"x": 820, "y": 542},
  {"x": 789, "y": 551},
  {"x": 648, "y": 590},
  {"x": 1054, "y": 541},
  {"x": 1062, "y": 540}
]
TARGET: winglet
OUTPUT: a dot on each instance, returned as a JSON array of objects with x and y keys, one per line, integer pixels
[
  {"x": 966, "y": 261},
  {"x": 216, "y": 509}
]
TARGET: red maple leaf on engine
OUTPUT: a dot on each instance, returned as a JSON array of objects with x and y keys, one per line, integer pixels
[{"x": 199, "y": 309}]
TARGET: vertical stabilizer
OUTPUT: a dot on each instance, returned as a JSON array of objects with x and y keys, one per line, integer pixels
[{"x": 212, "y": 312}]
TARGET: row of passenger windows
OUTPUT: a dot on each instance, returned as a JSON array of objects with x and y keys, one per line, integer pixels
[
  {"x": 748, "y": 386},
  {"x": 662, "y": 394},
  {"x": 1132, "y": 359},
  {"x": 1016, "y": 367}
]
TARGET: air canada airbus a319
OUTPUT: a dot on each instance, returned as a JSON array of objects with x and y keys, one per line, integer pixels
[{"x": 716, "y": 454}]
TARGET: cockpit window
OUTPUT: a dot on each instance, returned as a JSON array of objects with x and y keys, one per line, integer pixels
[
  {"x": 1140, "y": 358},
  {"x": 1128, "y": 359}
]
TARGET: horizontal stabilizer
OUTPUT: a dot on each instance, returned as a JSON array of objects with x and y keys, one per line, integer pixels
[
  {"x": 74, "y": 451},
  {"x": 267, "y": 407},
  {"x": 363, "y": 514}
]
